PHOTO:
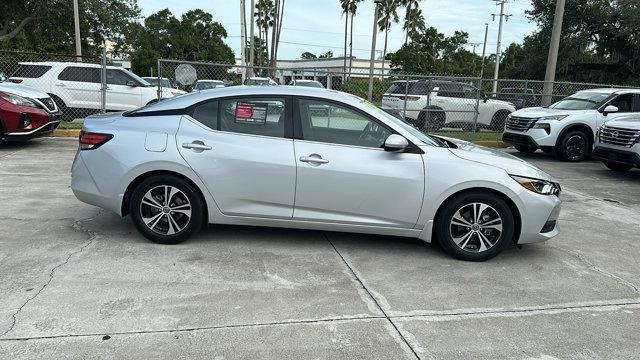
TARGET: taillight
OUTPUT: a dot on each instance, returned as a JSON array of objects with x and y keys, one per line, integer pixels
[
  {"x": 17, "y": 81},
  {"x": 90, "y": 141}
]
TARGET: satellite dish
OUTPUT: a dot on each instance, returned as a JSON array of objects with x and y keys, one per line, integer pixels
[{"x": 186, "y": 74}]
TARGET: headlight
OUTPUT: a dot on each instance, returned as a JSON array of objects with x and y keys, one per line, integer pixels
[
  {"x": 538, "y": 186},
  {"x": 553, "y": 117},
  {"x": 17, "y": 100}
]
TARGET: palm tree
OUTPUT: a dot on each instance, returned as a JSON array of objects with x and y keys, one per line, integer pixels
[
  {"x": 263, "y": 12},
  {"x": 387, "y": 14},
  {"x": 345, "y": 4},
  {"x": 411, "y": 5},
  {"x": 353, "y": 7},
  {"x": 414, "y": 23}
]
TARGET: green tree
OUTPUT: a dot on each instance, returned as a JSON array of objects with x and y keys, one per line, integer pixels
[
  {"x": 353, "y": 8},
  {"x": 46, "y": 25},
  {"x": 264, "y": 20},
  {"x": 413, "y": 19},
  {"x": 195, "y": 37},
  {"x": 327, "y": 55},
  {"x": 308, "y": 56}
]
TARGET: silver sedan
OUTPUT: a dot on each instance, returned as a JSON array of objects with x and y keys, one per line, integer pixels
[{"x": 309, "y": 158}]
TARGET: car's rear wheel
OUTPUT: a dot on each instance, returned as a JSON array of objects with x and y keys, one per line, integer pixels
[
  {"x": 475, "y": 226},
  {"x": 618, "y": 167},
  {"x": 524, "y": 149},
  {"x": 433, "y": 121},
  {"x": 498, "y": 120},
  {"x": 574, "y": 146},
  {"x": 166, "y": 209}
]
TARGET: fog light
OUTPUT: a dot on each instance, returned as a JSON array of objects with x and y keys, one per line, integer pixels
[
  {"x": 548, "y": 226},
  {"x": 546, "y": 127},
  {"x": 25, "y": 120}
]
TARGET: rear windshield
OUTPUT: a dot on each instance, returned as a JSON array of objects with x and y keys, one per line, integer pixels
[
  {"x": 30, "y": 71},
  {"x": 398, "y": 87}
]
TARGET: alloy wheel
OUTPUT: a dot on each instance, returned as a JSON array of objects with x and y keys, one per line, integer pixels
[
  {"x": 165, "y": 210},
  {"x": 576, "y": 147},
  {"x": 476, "y": 227}
]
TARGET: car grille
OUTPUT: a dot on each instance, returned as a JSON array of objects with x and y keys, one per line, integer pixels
[
  {"x": 48, "y": 103},
  {"x": 618, "y": 136},
  {"x": 520, "y": 123}
]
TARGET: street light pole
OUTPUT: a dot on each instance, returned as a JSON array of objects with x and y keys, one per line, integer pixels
[
  {"x": 243, "y": 41},
  {"x": 499, "y": 50},
  {"x": 251, "y": 44},
  {"x": 552, "y": 59},
  {"x": 373, "y": 50},
  {"x": 76, "y": 23},
  {"x": 484, "y": 50}
]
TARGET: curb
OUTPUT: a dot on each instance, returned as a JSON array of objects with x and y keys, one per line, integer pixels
[{"x": 76, "y": 132}]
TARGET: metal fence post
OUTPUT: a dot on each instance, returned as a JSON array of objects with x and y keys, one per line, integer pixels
[
  {"x": 428, "y": 107},
  {"x": 406, "y": 93},
  {"x": 103, "y": 81},
  {"x": 159, "y": 79},
  {"x": 476, "y": 109}
]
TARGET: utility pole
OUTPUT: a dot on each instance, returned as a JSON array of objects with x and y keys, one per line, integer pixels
[
  {"x": 243, "y": 40},
  {"x": 373, "y": 50},
  {"x": 251, "y": 44},
  {"x": 503, "y": 16},
  {"x": 76, "y": 23},
  {"x": 552, "y": 59},
  {"x": 484, "y": 51}
]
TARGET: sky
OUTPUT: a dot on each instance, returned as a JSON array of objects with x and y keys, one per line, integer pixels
[{"x": 317, "y": 26}]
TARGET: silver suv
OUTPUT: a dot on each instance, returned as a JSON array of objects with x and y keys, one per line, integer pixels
[{"x": 618, "y": 143}]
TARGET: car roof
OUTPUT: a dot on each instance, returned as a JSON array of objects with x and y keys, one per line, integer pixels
[
  {"x": 68, "y": 63},
  {"x": 210, "y": 80},
  {"x": 183, "y": 101},
  {"x": 611, "y": 90}
]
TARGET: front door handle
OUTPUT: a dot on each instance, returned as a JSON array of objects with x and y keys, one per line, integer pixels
[
  {"x": 314, "y": 159},
  {"x": 196, "y": 145}
]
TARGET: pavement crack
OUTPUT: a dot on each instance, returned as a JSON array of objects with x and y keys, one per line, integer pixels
[
  {"x": 598, "y": 269},
  {"x": 375, "y": 300},
  {"x": 77, "y": 225}
]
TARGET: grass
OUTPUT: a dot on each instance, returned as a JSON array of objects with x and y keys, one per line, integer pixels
[
  {"x": 69, "y": 125},
  {"x": 465, "y": 135}
]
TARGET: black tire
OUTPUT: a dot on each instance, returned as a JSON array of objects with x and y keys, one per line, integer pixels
[
  {"x": 547, "y": 150},
  {"x": 574, "y": 146},
  {"x": 161, "y": 232},
  {"x": 498, "y": 120},
  {"x": 524, "y": 149},
  {"x": 618, "y": 167},
  {"x": 471, "y": 249},
  {"x": 433, "y": 122}
]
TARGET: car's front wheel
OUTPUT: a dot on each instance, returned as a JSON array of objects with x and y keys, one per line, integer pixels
[
  {"x": 574, "y": 146},
  {"x": 166, "y": 209},
  {"x": 475, "y": 226},
  {"x": 618, "y": 167}
]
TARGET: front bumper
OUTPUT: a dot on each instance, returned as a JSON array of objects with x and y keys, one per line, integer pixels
[
  {"x": 618, "y": 155},
  {"x": 42, "y": 130},
  {"x": 534, "y": 137},
  {"x": 539, "y": 217}
]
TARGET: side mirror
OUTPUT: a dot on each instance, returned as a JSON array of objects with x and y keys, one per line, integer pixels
[
  {"x": 609, "y": 109},
  {"x": 132, "y": 83},
  {"x": 484, "y": 96},
  {"x": 396, "y": 142}
]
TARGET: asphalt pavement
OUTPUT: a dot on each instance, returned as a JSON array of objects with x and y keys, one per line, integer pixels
[{"x": 78, "y": 282}]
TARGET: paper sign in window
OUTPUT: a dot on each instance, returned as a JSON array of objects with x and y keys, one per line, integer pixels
[{"x": 251, "y": 113}]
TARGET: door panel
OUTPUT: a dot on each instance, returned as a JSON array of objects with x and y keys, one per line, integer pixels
[
  {"x": 120, "y": 96},
  {"x": 247, "y": 175},
  {"x": 358, "y": 185}
]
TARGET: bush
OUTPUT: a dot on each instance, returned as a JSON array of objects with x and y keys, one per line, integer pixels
[{"x": 360, "y": 87}]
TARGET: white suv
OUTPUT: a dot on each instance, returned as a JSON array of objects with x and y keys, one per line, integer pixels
[
  {"x": 77, "y": 85},
  {"x": 568, "y": 127},
  {"x": 618, "y": 143},
  {"x": 434, "y": 104}
]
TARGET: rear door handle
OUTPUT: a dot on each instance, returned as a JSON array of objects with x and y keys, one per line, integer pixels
[
  {"x": 60, "y": 85},
  {"x": 314, "y": 159},
  {"x": 196, "y": 145}
]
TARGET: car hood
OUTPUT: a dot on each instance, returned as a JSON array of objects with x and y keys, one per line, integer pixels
[
  {"x": 537, "y": 112},
  {"x": 500, "y": 102},
  {"x": 22, "y": 90},
  {"x": 631, "y": 122},
  {"x": 166, "y": 90},
  {"x": 494, "y": 157}
]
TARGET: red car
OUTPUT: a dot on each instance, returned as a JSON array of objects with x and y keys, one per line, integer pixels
[{"x": 26, "y": 112}]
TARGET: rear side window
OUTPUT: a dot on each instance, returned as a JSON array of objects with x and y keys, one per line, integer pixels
[
  {"x": 451, "y": 90},
  {"x": 207, "y": 114},
  {"x": 31, "y": 71},
  {"x": 81, "y": 74},
  {"x": 255, "y": 116},
  {"x": 398, "y": 87}
]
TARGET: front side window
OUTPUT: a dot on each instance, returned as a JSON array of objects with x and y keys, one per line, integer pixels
[
  {"x": 117, "y": 77},
  {"x": 331, "y": 123},
  {"x": 624, "y": 103},
  {"x": 254, "y": 116}
]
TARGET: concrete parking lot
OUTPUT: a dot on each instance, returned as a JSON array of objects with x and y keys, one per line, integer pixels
[{"x": 77, "y": 282}]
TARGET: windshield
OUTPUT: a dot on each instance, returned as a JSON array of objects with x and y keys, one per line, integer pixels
[
  {"x": 205, "y": 85},
  {"x": 163, "y": 82},
  {"x": 263, "y": 82},
  {"x": 586, "y": 100},
  {"x": 309, "y": 84},
  {"x": 142, "y": 81}
]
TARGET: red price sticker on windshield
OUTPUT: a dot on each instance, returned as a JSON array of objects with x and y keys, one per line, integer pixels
[{"x": 244, "y": 111}]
